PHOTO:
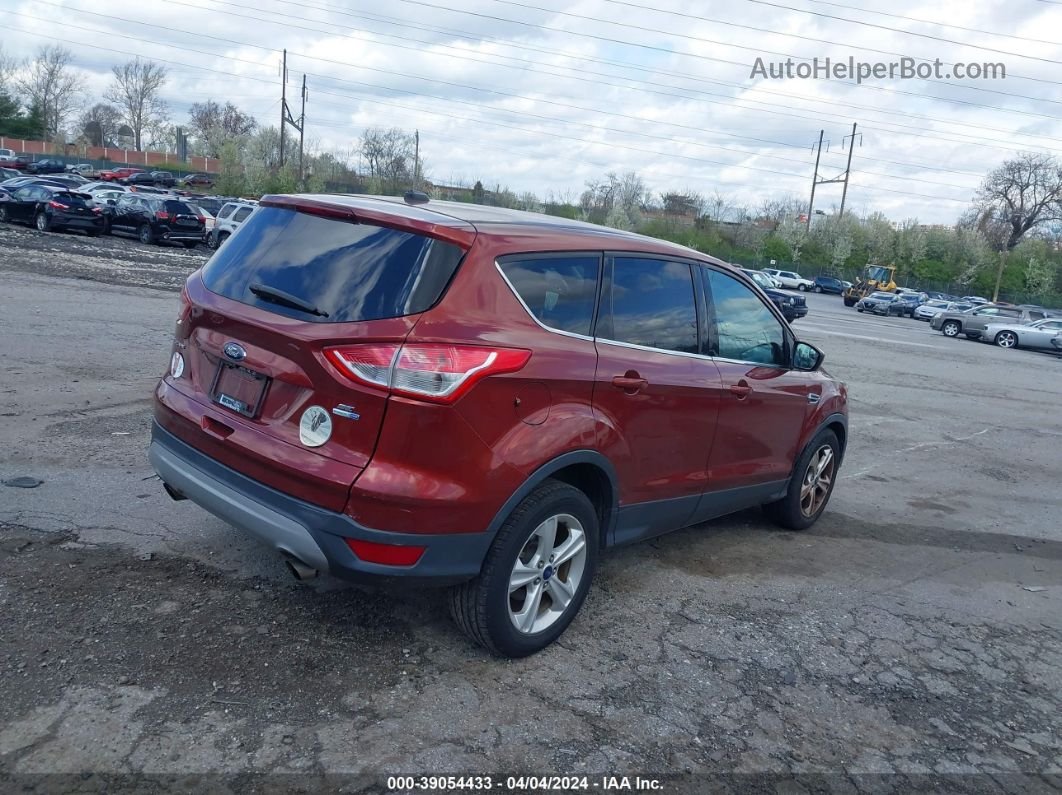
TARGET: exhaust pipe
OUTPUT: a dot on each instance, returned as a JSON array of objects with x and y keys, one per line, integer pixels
[
  {"x": 300, "y": 570},
  {"x": 174, "y": 494}
]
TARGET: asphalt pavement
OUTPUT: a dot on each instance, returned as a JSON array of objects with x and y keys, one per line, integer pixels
[{"x": 910, "y": 640}]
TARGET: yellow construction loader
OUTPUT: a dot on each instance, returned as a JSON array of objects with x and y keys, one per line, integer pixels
[{"x": 875, "y": 278}]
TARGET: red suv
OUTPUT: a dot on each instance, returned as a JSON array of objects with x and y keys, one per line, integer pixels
[{"x": 440, "y": 393}]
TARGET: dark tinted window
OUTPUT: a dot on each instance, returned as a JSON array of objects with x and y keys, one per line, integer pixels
[
  {"x": 241, "y": 214},
  {"x": 226, "y": 211},
  {"x": 210, "y": 205},
  {"x": 351, "y": 271},
  {"x": 651, "y": 303},
  {"x": 744, "y": 328},
  {"x": 559, "y": 291},
  {"x": 178, "y": 207}
]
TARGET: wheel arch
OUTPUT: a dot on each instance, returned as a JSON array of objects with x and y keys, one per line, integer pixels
[{"x": 586, "y": 470}]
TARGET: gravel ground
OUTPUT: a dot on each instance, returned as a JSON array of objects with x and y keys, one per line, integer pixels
[{"x": 910, "y": 641}]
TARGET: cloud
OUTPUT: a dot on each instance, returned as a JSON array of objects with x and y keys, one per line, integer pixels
[{"x": 544, "y": 100}]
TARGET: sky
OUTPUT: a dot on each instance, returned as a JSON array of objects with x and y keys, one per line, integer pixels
[{"x": 544, "y": 95}]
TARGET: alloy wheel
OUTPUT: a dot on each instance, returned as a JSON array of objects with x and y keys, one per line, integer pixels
[
  {"x": 1006, "y": 339},
  {"x": 42, "y": 223},
  {"x": 818, "y": 478},
  {"x": 547, "y": 574},
  {"x": 951, "y": 329}
]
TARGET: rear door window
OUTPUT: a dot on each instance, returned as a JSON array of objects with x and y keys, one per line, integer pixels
[
  {"x": 650, "y": 303},
  {"x": 226, "y": 211},
  {"x": 345, "y": 271},
  {"x": 558, "y": 291}
]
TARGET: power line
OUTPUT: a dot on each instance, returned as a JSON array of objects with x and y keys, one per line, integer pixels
[
  {"x": 611, "y": 145},
  {"x": 933, "y": 22},
  {"x": 905, "y": 32},
  {"x": 683, "y": 36},
  {"x": 699, "y": 128}
]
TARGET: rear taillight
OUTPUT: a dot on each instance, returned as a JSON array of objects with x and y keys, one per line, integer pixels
[
  {"x": 57, "y": 206},
  {"x": 436, "y": 372},
  {"x": 162, "y": 215}
]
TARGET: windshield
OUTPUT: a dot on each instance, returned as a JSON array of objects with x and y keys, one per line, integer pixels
[
  {"x": 883, "y": 296},
  {"x": 760, "y": 279}
]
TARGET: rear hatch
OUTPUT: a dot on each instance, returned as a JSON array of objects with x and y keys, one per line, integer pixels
[
  {"x": 180, "y": 216},
  {"x": 259, "y": 318},
  {"x": 73, "y": 204}
]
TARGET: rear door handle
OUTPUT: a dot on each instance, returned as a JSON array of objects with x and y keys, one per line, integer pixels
[
  {"x": 631, "y": 382},
  {"x": 740, "y": 389}
]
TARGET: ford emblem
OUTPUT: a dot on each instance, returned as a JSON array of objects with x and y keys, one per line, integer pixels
[{"x": 234, "y": 351}]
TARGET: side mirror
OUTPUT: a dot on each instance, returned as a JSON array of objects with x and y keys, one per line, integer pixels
[{"x": 807, "y": 358}]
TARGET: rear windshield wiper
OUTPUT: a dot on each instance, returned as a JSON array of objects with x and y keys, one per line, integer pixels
[{"x": 282, "y": 298}]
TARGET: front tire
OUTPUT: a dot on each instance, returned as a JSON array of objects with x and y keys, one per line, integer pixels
[
  {"x": 536, "y": 574},
  {"x": 1006, "y": 339},
  {"x": 951, "y": 328},
  {"x": 811, "y": 486}
]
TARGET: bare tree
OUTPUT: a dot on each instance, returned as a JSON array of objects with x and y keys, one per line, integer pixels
[
  {"x": 8, "y": 69},
  {"x": 1019, "y": 196},
  {"x": 136, "y": 91},
  {"x": 389, "y": 155},
  {"x": 50, "y": 83},
  {"x": 213, "y": 125},
  {"x": 99, "y": 124}
]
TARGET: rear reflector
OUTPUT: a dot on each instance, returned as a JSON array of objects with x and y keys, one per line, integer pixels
[
  {"x": 436, "y": 372},
  {"x": 385, "y": 554}
]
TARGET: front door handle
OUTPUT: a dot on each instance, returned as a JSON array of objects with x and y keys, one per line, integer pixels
[
  {"x": 630, "y": 382},
  {"x": 741, "y": 389}
]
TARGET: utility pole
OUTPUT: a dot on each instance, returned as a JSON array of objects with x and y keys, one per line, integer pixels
[
  {"x": 999, "y": 273},
  {"x": 816, "y": 181},
  {"x": 416, "y": 159},
  {"x": 302, "y": 129},
  {"x": 283, "y": 103},
  {"x": 848, "y": 168}
]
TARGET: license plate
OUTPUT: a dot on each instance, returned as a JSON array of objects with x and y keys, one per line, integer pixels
[
  {"x": 185, "y": 222},
  {"x": 239, "y": 389}
]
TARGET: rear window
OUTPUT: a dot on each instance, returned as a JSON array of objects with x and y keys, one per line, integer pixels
[
  {"x": 559, "y": 291},
  {"x": 179, "y": 207},
  {"x": 350, "y": 271}
]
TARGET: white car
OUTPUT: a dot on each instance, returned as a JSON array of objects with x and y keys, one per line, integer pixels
[
  {"x": 94, "y": 187},
  {"x": 930, "y": 308},
  {"x": 228, "y": 220},
  {"x": 790, "y": 279},
  {"x": 86, "y": 170}
]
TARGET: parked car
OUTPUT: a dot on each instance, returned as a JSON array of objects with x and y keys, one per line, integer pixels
[
  {"x": 878, "y": 303},
  {"x": 164, "y": 179},
  {"x": 828, "y": 284},
  {"x": 793, "y": 307},
  {"x": 86, "y": 170},
  {"x": 973, "y": 322},
  {"x": 339, "y": 367},
  {"x": 139, "y": 178},
  {"x": 92, "y": 187},
  {"x": 907, "y": 303},
  {"x": 198, "y": 180},
  {"x": 209, "y": 220},
  {"x": 46, "y": 166},
  {"x": 790, "y": 280},
  {"x": 9, "y": 173},
  {"x": 73, "y": 180},
  {"x": 211, "y": 204},
  {"x": 935, "y": 296},
  {"x": 974, "y": 299},
  {"x": 1038, "y": 334},
  {"x": 106, "y": 198},
  {"x": 51, "y": 208},
  {"x": 932, "y": 307},
  {"x": 117, "y": 174},
  {"x": 229, "y": 219},
  {"x": 9, "y": 158},
  {"x": 155, "y": 220}
]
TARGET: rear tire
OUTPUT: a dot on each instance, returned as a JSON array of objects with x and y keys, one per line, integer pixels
[
  {"x": 818, "y": 289},
  {"x": 849, "y": 302},
  {"x": 808, "y": 492},
  {"x": 221, "y": 240},
  {"x": 487, "y": 608},
  {"x": 802, "y": 288},
  {"x": 43, "y": 222},
  {"x": 145, "y": 235},
  {"x": 3, "y": 214}
]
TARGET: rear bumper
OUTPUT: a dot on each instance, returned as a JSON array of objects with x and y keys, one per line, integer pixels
[
  {"x": 182, "y": 234},
  {"x": 305, "y": 531}
]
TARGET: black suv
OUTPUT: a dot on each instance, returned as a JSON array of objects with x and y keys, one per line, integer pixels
[
  {"x": 792, "y": 307},
  {"x": 155, "y": 219},
  {"x": 828, "y": 284},
  {"x": 46, "y": 166}
]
